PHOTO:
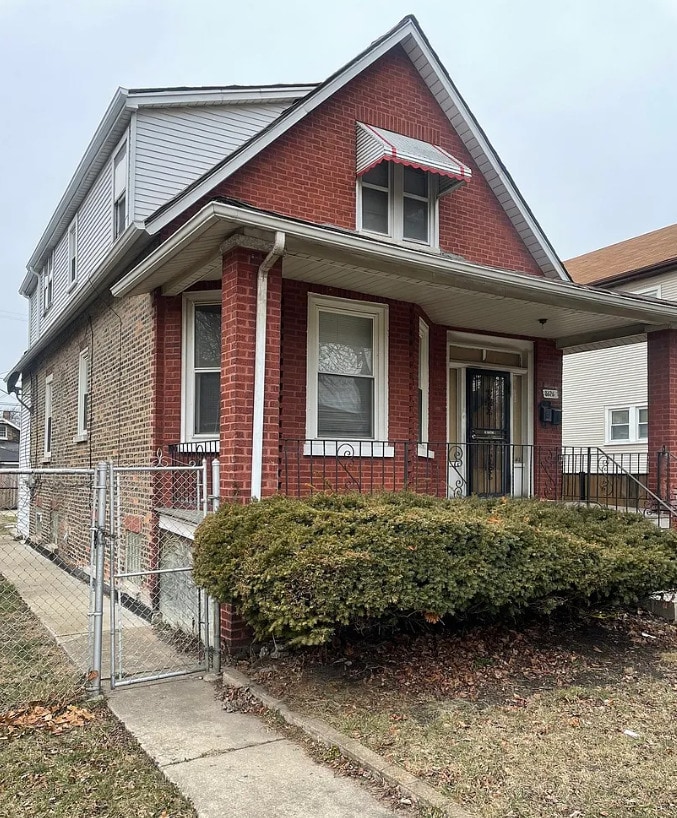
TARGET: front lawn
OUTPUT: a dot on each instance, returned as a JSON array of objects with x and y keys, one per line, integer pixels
[
  {"x": 550, "y": 720},
  {"x": 59, "y": 755}
]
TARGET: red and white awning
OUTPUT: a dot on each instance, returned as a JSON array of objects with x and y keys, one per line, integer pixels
[{"x": 376, "y": 145}]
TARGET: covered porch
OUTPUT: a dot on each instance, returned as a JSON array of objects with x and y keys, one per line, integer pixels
[{"x": 347, "y": 362}]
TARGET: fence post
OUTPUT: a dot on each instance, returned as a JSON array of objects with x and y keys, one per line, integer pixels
[{"x": 101, "y": 486}]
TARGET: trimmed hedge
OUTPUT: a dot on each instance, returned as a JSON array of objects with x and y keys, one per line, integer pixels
[{"x": 301, "y": 569}]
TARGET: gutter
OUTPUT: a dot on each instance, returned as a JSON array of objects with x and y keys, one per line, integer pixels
[
  {"x": 433, "y": 266},
  {"x": 276, "y": 252}
]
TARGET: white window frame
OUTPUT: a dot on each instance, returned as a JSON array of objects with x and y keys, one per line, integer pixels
[
  {"x": 424, "y": 386},
  {"x": 633, "y": 410},
  {"x": 396, "y": 197},
  {"x": 83, "y": 397},
  {"x": 48, "y": 285},
  {"x": 4, "y": 432},
  {"x": 72, "y": 254},
  {"x": 49, "y": 417},
  {"x": 379, "y": 315},
  {"x": 188, "y": 362},
  {"x": 123, "y": 145}
]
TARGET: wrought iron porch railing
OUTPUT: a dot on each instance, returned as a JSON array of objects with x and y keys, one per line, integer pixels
[{"x": 569, "y": 474}]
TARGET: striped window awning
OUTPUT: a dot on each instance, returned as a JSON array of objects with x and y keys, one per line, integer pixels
[{"x": 375, "y": 145}]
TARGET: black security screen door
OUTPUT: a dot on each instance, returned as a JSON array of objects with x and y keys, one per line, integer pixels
[{"x": 488, "y": 432}]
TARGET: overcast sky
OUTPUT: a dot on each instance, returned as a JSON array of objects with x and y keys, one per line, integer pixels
[{"x": 579, "y": 97}]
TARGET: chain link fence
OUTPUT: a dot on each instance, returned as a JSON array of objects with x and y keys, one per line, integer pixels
[
  {"x": 46, "y": 584},
  {"x": 95, "y": 568}
]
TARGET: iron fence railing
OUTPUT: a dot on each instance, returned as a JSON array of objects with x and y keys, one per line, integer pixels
[
  {"x": 185, "y": 495},
  {"x": 585, "y": 474}
]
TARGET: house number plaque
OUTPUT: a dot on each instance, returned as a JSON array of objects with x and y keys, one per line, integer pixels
[{"x": 551, "y": 394}]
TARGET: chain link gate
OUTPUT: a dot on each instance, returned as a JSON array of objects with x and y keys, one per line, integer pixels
[
  {"x": 162, "y": 625},
  {"x": 71, "y": 537}
]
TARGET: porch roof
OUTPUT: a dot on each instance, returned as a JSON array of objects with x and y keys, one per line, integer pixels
[{"x": 452, "y": 291}]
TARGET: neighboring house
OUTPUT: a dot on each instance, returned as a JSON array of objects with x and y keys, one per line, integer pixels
[
  {"x": 332, "y": 286},
  {"x": 606, "y": 391},
  {"x": 9, "y": 459},
  {"x": 10, "y": 432}
]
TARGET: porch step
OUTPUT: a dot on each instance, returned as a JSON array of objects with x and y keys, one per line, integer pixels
[{"x": 663, "y": 605}]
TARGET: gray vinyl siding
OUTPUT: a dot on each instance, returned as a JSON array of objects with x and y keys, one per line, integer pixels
[{"x": 175, "y": 146}]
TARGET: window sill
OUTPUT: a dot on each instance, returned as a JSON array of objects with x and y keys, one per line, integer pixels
[
  {"x": 644, "y": 442},
  {"x": 82, "y": 437},
  {"x": 347, "y": 448},
  {"x": 425, "y": 451},
  {"x": 72, "y": 286},
  {"x": 47, "y": 459}
]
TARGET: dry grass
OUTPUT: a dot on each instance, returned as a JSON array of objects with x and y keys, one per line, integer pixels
[
  {"x": 94, "y": 768},
  {"x": 514, "y": 724}
]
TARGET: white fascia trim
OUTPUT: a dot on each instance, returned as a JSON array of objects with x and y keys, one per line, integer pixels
[
  {"x": 113, "y": 112},
  {"x": 213, "y": 96},
  {"x": 5, "y": 422},
  {"x": 81, "y": 296},
  {"x": 488, "y": 279},
  {"x": 258, "y": 143},
  {"x": 491, "y": 156}
]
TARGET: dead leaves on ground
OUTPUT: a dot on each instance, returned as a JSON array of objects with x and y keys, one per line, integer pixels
[{"x": 53, "y": 718}]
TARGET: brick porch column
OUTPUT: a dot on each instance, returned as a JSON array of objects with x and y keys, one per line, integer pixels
[
  {"x": 662, "y": 403},
  {"x": 547, "y": 438},
  {"x": 238, "y": 340}
]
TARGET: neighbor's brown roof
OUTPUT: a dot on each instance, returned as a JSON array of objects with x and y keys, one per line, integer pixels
[{"x": 649, "y": 250}]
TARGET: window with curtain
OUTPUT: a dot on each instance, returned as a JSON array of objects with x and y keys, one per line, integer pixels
[{"x": 346, "y": 366}]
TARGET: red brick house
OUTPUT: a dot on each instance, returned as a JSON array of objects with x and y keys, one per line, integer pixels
[{"x": 331, "y": 286}]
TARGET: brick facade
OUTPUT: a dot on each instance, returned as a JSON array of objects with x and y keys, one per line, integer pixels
[
  {"x": 119, "y": 336},
  {"x": 309, "y": 172},
  {"x": 662, "y": 387}
]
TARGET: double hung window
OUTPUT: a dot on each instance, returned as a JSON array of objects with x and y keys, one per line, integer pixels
[
  {"x": 396, "y": 201},
  {"x": 346, "y": 369},
  {"x": 202, "y": 365},
  {"x": 83, "y": 395},
  {"x": 120, "y": 191}
]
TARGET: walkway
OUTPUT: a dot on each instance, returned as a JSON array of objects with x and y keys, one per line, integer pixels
[{"x": 225, "y": 763}]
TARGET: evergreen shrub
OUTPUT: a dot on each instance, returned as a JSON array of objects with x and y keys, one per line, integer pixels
[{"x": 302, "y": 569}]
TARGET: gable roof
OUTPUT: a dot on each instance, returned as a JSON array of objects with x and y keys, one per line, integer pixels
[
  {"x": 410, "y": 37},
  {"x": 8, "y": 422},
  {"x": 650, "y": 252}
]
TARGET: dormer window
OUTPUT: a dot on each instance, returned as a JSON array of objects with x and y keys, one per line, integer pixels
[
  {"x": 396, "y": 202},
  {"x": 400, "y": 180},
  {"x": 120, "y": 191}
]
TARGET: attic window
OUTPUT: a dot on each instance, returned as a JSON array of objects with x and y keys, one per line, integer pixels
[{"x": 400, "y": 180}]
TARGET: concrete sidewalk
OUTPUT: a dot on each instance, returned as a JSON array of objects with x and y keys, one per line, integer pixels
[
  {"x": 231, "y": 764},
  {"x": 227, "y": 764}
]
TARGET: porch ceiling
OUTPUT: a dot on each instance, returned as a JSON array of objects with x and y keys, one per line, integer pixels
[{"x": 452, "y": 291}]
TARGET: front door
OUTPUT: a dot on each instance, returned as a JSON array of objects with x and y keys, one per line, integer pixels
[{"x": 488, "y": 432}]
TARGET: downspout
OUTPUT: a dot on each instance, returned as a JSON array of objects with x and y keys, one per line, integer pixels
[{"x": 260, "y": 361}]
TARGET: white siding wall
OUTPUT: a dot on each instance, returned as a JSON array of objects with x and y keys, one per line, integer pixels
[
  {"x": 174, "y": 146},
  {"x": 597, "y": 380},
  {"x": 94, "y": 238},
  {"x": 33, "y": 309},
  {"x": 23, "y": 504}
]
